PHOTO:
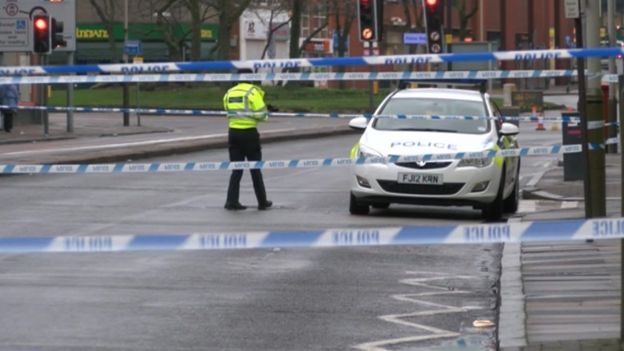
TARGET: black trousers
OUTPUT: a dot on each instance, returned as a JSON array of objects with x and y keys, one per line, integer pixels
[
  {"x": 244, "y": 145},
  {"x": 7, "y": 118}
]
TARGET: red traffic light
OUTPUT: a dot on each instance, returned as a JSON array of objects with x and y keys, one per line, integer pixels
[
  {"x": 41, "y": 24},
  {"x": 431, "y": 3}
]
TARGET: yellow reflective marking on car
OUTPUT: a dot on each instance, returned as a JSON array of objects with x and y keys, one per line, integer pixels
[{"x": 354, "y": 151}]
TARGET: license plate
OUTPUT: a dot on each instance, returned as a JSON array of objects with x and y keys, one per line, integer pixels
[{"x": 421, "y": 178}]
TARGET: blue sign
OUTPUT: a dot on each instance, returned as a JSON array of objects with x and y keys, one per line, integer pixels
[
  {"x": 414, "y": 38},
  {"x": 335, "y": 43},
  {"x": 133, "y": 47}
]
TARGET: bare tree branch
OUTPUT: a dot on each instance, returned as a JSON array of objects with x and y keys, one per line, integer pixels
[{"x": 105, "y": 10}]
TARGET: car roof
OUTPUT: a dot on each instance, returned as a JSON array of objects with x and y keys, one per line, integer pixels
[{"x": 438, "y": 93}]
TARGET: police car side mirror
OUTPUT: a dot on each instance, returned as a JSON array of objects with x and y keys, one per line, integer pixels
[
  {"x": 509, "y": 129},
  {"x": 358, "y": 123}
]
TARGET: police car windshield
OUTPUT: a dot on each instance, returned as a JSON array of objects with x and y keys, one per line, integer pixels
[{"x": 434, "y": 107}]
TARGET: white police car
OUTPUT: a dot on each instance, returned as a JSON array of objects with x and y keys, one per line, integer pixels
[{"x": 490, "y": 184}]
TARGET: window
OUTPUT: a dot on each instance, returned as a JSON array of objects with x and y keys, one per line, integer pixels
[
  {"x": 434, "y": 107},
  {"x": 305, "y": 24},
  {"x": 314, "y": 16},
  {"x": 320, "y": 17}
]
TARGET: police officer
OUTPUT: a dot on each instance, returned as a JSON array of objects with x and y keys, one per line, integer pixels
[
  {"x": 245, "y": 107},
  {"x": 9, "y": 96}
]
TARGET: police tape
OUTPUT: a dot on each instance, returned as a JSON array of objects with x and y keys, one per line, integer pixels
[
  {"x": 169, "y": 167},
  {"x": 563, "y": 230},
  {"x": 337, "y": 76},
  {"x": 220, "y": 113},
  {"x": 528, "y": 55}
]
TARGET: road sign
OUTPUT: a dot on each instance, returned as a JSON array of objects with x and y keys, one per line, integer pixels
[
  {"x": 415, "y": 38},
  {"x": 133, "y": 47},
  {"x": 14, "y": 34},
  {"x": 16, "y": 18},
  {"x": 572, "y": 9}
]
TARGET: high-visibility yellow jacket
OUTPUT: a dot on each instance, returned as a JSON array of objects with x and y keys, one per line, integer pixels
[{"x": 245, "y": 106}]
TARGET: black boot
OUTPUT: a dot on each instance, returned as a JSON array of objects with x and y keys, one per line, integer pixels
[
  {"x": 235, "y": 207},
  {"x": 265, "y": 205}
]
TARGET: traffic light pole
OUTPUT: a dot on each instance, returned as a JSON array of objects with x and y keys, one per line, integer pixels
[
  {"x": 368, "y": 45},
  {"x": 43, "y": 95},
  {"x": 596, "y": 158},
  {"x": 621, "y": 101},
  {"x": 126, "y": 91},
  {"x": 582, "y": 107},
  {"x": 70, "y": 97}
]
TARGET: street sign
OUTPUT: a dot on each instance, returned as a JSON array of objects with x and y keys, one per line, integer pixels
[
  {"x": 133, "y": 47},
  {"x": 16, "y": 18},
  {"x": 572, "y": 9},
  {"x": 14, "y": 34},
  {"x": 415, "y": 38}
]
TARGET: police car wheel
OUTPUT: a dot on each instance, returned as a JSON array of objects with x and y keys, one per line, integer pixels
[
  {"x": 357, "y": 208},
  {"x": 381, "y": 206},
  {"x": 511, "y": 203},
  {"x": 494, "y": 210}
]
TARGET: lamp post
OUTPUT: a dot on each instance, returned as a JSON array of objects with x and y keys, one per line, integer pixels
[{"x": 126, "y": 92}]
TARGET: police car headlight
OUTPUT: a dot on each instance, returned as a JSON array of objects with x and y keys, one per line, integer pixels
[
  {"x": 368, "y": 152},
  {"x": 475, "y": 162}
]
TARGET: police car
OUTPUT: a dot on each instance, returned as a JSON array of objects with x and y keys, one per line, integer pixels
[{"x": 490, "y": 184}]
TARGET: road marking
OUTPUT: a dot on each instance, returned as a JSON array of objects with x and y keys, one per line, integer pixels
[
  {"x": 136, "y": 143},
  {"x": 569, "y": 204},
  {"x": 536, "y": 177},
  {"x": 431, "y": 309},
  {"x": 527, "y": 206},
  {"x": 113, "y": 146}
]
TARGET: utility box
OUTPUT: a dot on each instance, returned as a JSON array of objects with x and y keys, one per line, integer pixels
[
  {"x": 526, "y": 99},
  {"x": 573, "y": 164},
  {"x": 511, "y": 111}
]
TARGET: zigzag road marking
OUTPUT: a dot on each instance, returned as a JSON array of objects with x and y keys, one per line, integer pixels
[{"x": 435, "y": 309}]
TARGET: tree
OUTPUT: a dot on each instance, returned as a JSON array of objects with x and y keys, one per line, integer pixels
[
  {"x": 170, "y": 14},
  {"x": 344, "y": 14},
  {"x": 228, "y": 12},
  {"x": 276, "y": 10},
  {"x": 295, "y": 28},
  {"x": 166, "y": 16},
  {"x": 322, "y": 8},
  {"x": 465, "y": 15},
  {"x": 106, "y": 11}
]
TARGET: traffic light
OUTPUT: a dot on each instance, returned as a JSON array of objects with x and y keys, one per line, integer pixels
[
  {"x": 56, "y": 36},
  {"x": 41, "y": 34},
  {"x": 368, "y": 20},
  {"x": 433, "y": 22}
]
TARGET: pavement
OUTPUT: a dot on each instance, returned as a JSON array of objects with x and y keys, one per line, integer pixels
[
  {"x": 554, "y": 296},
  {"x": 102, "y": 137}
]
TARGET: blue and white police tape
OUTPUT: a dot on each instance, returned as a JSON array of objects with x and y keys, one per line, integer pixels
[
  {"x": 529, "y": 55},
  {"x": 171, "y": 111},
  {"x": 221, "y": 113},
  {"x": 348, "y": 76},
  {"x": 170, "y": 167},
  {"x": 566, "y": 230}
]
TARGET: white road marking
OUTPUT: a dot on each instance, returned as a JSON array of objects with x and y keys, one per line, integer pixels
[
  {"x": 569, "y": 204},
  {"x": 432, "y": 309},
  {"x": 527, "y": 206},
  {"x": 136, "y": 143},
  {"x": 113, "y": 146},
  {"x": 535, "y": 177}
]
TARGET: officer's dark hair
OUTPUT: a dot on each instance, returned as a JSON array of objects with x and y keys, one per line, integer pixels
[{"x": 246, "y": 71}]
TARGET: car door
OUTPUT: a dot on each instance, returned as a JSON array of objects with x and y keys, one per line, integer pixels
[{"x": 512, "y": 164}]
